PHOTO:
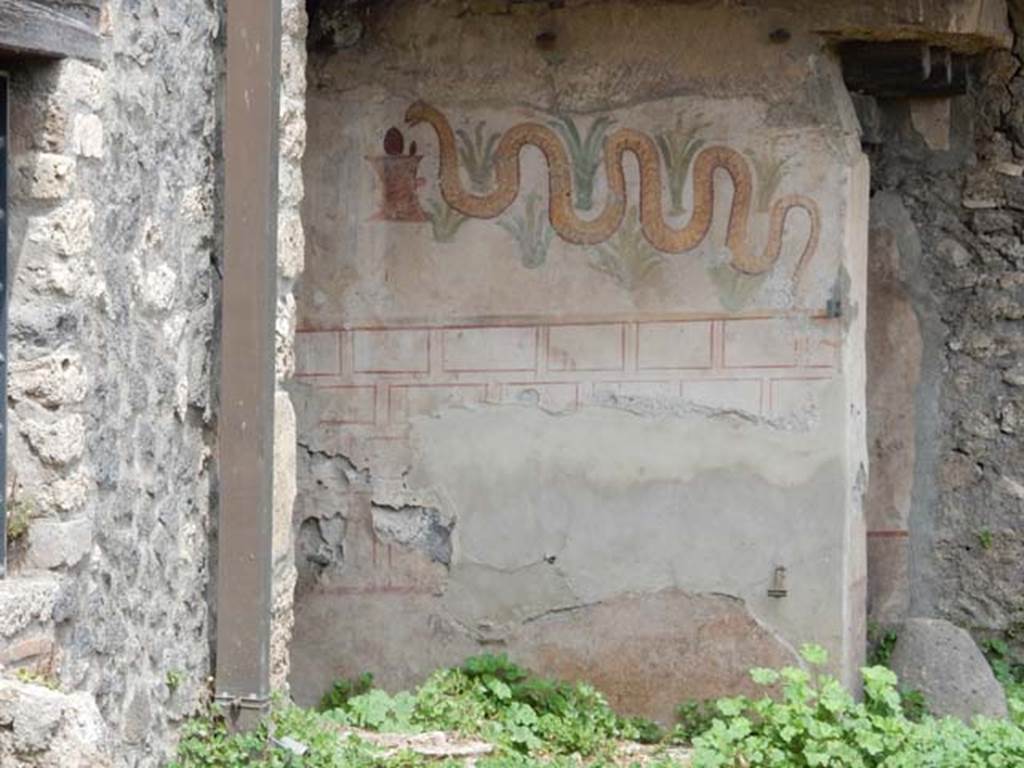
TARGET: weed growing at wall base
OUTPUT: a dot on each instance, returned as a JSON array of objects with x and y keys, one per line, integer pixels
[
  {"x": 816, "y": 722},
  {"x": 525, "y": 721}
]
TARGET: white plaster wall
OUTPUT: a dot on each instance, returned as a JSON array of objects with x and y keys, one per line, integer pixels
[{"x": 505, "y": 447}]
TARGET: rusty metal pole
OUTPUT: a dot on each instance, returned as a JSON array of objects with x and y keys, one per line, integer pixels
[{"x": 247, "y": 379}]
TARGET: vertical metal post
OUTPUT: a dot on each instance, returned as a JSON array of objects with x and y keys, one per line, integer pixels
[
  {"x": 247, "y": 381},
  {"x": 3, "y": 325}
]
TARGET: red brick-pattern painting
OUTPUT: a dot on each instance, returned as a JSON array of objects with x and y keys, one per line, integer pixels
[{"x": 370, "y": 381}]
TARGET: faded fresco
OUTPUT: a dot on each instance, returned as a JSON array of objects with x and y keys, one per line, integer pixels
[
  {"x": 558, "y": 366},
  {"x": 571, "y": 175},
  {"x": 659, "y": 209}
]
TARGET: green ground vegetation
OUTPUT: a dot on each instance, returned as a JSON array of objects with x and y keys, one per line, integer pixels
[{"x": 805, "y": 718}]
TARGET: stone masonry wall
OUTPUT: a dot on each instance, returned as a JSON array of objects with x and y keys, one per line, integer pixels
[
  {"x": 113, "y": 307},
  {"x": 946, "y": 352},
  {"x": 113, "y": 377},
  {"x": 290, "y": 253}
]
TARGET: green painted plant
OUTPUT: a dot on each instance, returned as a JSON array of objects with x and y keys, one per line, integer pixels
[
  {"x": 627, "y": 257},
  {"x": 769, "y": 169},
  {"x": 445, "y": 221},
  {"x": 678, "y": 147},
  {"x": 532, "y": 231},
  {"x": 586, "y": 153},
  {"x": 476, "y": 151}
]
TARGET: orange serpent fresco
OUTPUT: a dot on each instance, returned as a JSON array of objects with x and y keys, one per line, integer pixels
[{"x": 656, "y": 230}]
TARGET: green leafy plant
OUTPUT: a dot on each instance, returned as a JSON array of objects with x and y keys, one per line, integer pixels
[
  {"x": 531, "y": 231},
  {"x": 627, "y": 257},
  {"x": 445, "y": 221},
  {"x": 644, "y": 730},
  {"x": 693, "y": 718},
  {"x": 342, "y": 691},
  {"x": 1009, "y": 672},
  {"x": 19, "y": 514},
  {"x": 985, "y": 539},
  {"x": 476, "y": 151},
  {"x": 586, "y": 153},
  {"x": 34, "y": 676},
  {"x": 678, "y": 147},
  {"x": 492, "y": 697},
  {"x": 816, "y": 722},
  {"x": 805, "y": 719},
  {"x": 882, "y": 642},
  {"x": 172, "y": 680}
]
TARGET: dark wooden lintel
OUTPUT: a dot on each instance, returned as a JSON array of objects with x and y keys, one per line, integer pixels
[
  {"x": 902, "y": 69},
  {"x": 48, "y": 29}
]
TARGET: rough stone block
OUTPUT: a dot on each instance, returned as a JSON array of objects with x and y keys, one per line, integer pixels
[
  {"x": 42, "y": 727},
  {"x": 284, "y": 475},
  {"x": 291, "y": 245},
  {"x": 931, "y": 118},
  {"x": 33, "y": 714},
  {"x": 52, "y": 380},
  {"x": 66, "y": 231},
  {"x": 67, "y": 494},
  {"x": 87, "y": 136},
  {"x": 56, "y": 544},
  {"x": 158, "y": 287},
  {"x": 43, "y": 176},
  {"x": 293, "y": 130},
  {"x": 26, "y": 600},
  {"x": 34, "y": 646},
  {"x": 58, "y": 442},
  {"x": 80, "y": 84},
  {"x": 941, "y": 661}
]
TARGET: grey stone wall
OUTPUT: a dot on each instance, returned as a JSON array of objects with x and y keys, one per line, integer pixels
[
  {"x": 947, "y": 303},
  {"x": 291, "y": 246},
  {"x": 115, "y": 243},
  {"x": 113, "y": 307}
]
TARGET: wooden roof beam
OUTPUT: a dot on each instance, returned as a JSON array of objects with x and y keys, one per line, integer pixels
[{"x": 49, "y": 30}]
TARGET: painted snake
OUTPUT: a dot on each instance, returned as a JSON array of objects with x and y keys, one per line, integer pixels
[{"x": 661, "y": 235}]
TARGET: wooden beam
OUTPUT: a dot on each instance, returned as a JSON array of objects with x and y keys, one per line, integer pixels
[
  {"x": 902, "y": 69},
  {"x": 37, "y": 28},
  {"x": 247, "y": 379}
]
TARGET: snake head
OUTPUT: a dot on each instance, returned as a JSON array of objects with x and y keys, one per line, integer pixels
[{"x": 416, "y": 113}]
